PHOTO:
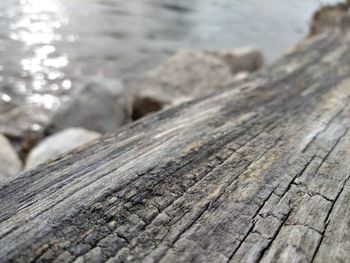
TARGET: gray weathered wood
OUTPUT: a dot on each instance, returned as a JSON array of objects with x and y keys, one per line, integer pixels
[{"x": 256, "y": 172}]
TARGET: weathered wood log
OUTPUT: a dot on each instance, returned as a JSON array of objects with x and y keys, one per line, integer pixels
[{"x": 256, "y": 172}]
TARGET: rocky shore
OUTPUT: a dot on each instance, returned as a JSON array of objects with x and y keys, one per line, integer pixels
[{"x": 104, "y": 105}]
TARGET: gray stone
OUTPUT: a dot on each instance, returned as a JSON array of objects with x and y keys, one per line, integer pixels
[
  {"x": 10, "y": 164},
  {"x": 21, "y": 112},
  {"x": 102, "y": 105},
  {"x": 59, "y": 143},
  {"x": 191, "y": 74}
]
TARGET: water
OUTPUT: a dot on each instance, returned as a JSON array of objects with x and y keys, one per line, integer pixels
[{"x": 49, "y": 47}]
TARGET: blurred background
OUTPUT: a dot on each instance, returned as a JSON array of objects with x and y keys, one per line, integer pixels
[{"x": 48, "y": 47}]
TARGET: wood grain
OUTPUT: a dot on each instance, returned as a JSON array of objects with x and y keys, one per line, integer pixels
[{"x": 258, "y": 171}]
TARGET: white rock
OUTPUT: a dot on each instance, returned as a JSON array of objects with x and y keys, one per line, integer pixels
[
  {"x": 102, "y": 105},
  {"x": 57, "y": 144},
  {"x": 191, "y": 74},
  {"x": 10, "y": 163}
]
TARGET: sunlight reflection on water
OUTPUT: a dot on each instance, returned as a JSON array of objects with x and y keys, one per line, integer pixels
[{"x": 36, "y": 29}]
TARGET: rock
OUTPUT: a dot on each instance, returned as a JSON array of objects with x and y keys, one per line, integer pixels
[
  {"x": 102, "y": 105},
  {"x": 29, "y": 139},
  {"x": 10, "y": 164},
  {"x": 191, "y": 74},
  {"x": 328, "y": 17},
  {"x": 18, "y": 118},
  {"x": 57, "y": 144}
]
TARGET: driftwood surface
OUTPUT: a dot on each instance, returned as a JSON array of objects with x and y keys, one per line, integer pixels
[{"x": 256, "y": 172}]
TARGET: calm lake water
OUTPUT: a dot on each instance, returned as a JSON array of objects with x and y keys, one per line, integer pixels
[{"x": 47, "y": 47}]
